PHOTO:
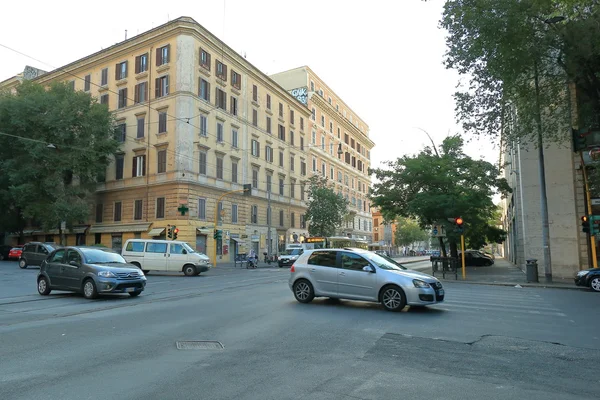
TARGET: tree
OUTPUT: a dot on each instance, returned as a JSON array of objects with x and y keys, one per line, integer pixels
[
  {"x": 55, "y": 144},
  {"x": 436, "y": 185},
  {"x": 408, "y": 231},
  {"x": 504, "y": 46},
  {"x": 325, "y": 209}
]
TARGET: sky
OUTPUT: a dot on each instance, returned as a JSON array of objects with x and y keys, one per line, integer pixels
[{"x": 382, "y": 57}]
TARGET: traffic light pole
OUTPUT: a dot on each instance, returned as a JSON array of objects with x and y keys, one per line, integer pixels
[
  {"x": 462, "y": 255},
  {"x": 589, "y": 212},
  {"x": 217, "y": 220}
]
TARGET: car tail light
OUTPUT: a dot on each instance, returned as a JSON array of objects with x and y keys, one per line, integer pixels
[{"x": 293, "y": 269}]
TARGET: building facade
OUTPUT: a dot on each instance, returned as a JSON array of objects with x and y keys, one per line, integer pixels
[
  {"x": 338, "y": 146},
  {"x": 521, "y": 215},
  {"x": 196, "y": 122}
]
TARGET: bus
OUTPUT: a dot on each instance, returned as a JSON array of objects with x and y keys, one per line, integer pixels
[
  {"x": 333, "y": 242},
  {"x": 337, "y": 242}
]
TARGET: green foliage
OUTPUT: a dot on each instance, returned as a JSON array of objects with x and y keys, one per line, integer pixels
[
  {"x": 325, "y": 209},
  {"x": 433, "y": 188},
  {"x": 52, "y": 184},
  {"x": 408, "y": 231},
  {"x": 501, "y": 45}
]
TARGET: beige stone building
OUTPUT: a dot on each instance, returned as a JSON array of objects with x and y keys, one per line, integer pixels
[
  {"x": 197, "y": 121},
  {"x": 566, "y": 200},
  {"x": 338, "y": 145}
]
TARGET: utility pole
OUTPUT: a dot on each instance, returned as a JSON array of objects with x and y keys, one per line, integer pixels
[{"x": 543, "y": 196}]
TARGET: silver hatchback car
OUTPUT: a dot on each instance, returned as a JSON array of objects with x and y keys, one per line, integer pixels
[{"x": 356, "y": 274}]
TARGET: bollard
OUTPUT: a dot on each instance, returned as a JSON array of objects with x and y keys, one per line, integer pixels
[{"x": 532, "y": 270}]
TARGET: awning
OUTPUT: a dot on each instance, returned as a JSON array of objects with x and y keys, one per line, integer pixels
[
  {"x": 119, "y": 228},
  {"x": 204, "y": 231},
  {"x": 238, "y": 240},
  {"x": 156, "y": 231}
]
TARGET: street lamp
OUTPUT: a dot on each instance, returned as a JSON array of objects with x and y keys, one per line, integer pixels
[{"x": 340, "y": 151}]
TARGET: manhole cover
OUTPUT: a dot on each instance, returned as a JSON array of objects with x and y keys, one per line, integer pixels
[{"x": 199, "y": 345}]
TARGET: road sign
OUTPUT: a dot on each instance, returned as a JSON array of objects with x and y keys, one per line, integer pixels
[{"x": 438, "y": 231}]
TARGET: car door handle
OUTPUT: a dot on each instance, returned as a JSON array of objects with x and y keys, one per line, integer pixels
[
  {"x": 313, "y": 270},
  {"x": 342, "y": 273}
]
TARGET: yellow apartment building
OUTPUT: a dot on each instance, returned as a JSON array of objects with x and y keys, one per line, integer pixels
[
  {"x": 338, "y": 145},
  {"x": 196, "y": 122}
]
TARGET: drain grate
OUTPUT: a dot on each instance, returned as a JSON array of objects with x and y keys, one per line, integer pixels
[{"x": 199, "y": 345}]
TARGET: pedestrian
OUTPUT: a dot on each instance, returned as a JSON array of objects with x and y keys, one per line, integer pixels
[{"x": 253, "y": 258}]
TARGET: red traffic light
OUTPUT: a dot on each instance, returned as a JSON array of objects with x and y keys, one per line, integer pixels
[
  {"x": 176, "y": 230},
  {"x": 584, "y": 218},
  {"x": 458, "y": 221}
]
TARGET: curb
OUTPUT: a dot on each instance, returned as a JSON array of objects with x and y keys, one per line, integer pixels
[{"x": 550, "y": 286}]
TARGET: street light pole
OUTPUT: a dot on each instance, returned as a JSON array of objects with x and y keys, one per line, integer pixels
[{"x": 542, "y": 171}]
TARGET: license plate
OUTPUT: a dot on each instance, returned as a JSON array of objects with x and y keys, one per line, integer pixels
[
  {"x": 130, "y": 289},
  {"x": 441, "y": 292}
]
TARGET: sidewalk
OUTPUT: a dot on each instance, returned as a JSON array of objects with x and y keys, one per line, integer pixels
[{"x": 504, "y": 273}]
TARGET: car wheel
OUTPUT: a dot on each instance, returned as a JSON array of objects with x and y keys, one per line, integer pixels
[
  {"x": 22, "y": 263},
  {"x": 189, "y": 270},
  {"x": 135, "y": 294},
  {"x": 303, "y": 291},
  {"x": 595, "y": 284},
  {"x": 89, "y": 289},
  {"x": 392, "y": 298},
  {"x": 43, "y": 286}
]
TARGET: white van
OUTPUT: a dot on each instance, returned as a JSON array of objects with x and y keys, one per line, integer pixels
[{"x": 165, "y": 255}]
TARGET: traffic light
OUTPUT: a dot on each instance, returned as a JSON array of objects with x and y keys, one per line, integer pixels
[
  {"x": 218, "y": 234},
  {"x": 579, "y": 140},
  {"x": 175, "y": 232},
  {"x": 458, "y": 222},
  {"x": 585, "y": 224},
  {"x": 170, "y": 232}
]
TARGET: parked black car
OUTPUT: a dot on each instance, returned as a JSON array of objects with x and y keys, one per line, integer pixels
[
  {"x": 35, "y": 252},
  {"x": 91, "y": 271},
  {"x": 475, "y": 258},
  {"x": 589, "y": 278}
]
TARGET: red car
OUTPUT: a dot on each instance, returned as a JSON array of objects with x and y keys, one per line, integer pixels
[{"x": 15, "y": 252}]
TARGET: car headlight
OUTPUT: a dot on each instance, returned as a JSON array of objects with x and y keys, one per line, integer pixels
[
  {"x": 106, "y": 274},
  {"x": 294, "y": 258},
  {"x": 420, "y": 284},
  {"x": 583, "y": 273}
]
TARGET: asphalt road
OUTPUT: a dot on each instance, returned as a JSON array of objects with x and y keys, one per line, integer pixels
[{"x": 483, "y": 342}]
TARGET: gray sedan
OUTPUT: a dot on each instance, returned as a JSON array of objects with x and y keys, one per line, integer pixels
[
  {"x": 361, "y": 275},
  {"x": 91, "y": 271}
]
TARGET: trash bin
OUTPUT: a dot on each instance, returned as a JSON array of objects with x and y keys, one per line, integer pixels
[{"x": 532, "y": 270}]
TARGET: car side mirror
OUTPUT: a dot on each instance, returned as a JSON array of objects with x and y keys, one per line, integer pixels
[
  {"x": 368, "y": 268},
  {"x": 74, "y": 263},
  {"x": 184, "y": 251}
]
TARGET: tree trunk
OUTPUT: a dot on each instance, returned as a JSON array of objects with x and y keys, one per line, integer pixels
[
  {"x": 61, "y": 234},
  {"x": 453, "y": 249},
  {"x": 442, "y": 246}
]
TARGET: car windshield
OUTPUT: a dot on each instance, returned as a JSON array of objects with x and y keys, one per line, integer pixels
[
  {"x": 384, "y": 262},
  {"x": 188, "y": 248},
  {"x": 96, "y": 256},
  {"x": 291, "y": 252}
]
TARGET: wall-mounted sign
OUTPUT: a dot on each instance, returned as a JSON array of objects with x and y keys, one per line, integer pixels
[{"x": 301, "y": 94}]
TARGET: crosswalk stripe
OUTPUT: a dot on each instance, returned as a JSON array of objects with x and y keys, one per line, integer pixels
[
  {"x": 502, "y": 308},
  {"x": 505, "y": 305}
]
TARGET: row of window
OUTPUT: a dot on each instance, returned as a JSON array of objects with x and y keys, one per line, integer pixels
[
  {"x": 231, "y": 214},
  {"x": 138, "y": 169}
]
